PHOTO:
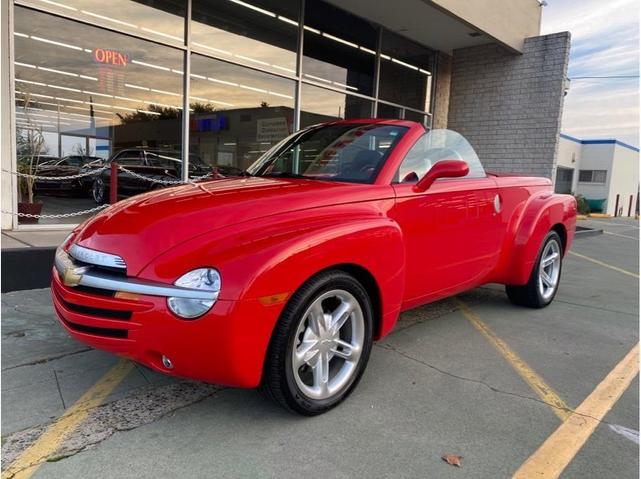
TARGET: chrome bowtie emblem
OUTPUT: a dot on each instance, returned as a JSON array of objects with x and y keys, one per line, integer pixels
[{"x": 72, "y": 275}]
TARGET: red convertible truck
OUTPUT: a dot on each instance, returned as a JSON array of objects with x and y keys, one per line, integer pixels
[{"x": 283, "y": 277}]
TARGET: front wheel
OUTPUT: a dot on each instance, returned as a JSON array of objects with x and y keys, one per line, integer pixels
[
  {"x": 99, "y": 191},
  {"x": 544, "y": 281},
  {"x": 321, "y": 344}
]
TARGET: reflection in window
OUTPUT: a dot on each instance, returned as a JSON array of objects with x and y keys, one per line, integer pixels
[
  {"x": 162, "y": 20},
  {"x": 238, "y": 113},
  {"x": 339, "y": 48},
  {"x": 259, "y": 33},
  {"x": 85, "y": 91},
  {"x": 319, "y": 105},
  {"x": 405, "y": 76}
]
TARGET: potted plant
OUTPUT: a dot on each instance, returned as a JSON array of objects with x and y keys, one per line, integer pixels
[{"x": 30, "y": 145}]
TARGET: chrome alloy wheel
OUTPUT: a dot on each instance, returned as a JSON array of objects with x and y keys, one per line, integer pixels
[
  {"x": 328, "y": 344},
  {"x": 549, "y": 269}
]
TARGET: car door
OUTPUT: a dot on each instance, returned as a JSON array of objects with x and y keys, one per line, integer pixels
[{"x": 452, "y": 231}]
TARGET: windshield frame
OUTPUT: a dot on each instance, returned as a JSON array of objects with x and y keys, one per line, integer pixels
[{"x": 262, "y": 163}]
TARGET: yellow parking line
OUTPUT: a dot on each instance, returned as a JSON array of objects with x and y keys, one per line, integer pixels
[
  {"x": 49, "y": 442},
  {"x": 558, "y": 450},
  {"x": 605, "y": 265},
  {"x": 536, "y": 382}
]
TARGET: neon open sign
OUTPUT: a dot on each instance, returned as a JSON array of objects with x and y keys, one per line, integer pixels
[{"x": 110, "y": 57}]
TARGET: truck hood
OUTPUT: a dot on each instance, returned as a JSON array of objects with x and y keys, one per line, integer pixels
[{"x": 141, "y": 228}]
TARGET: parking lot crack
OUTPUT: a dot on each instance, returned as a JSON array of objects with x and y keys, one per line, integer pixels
[
  {"x": 46, "y": 360},
  {"x": 62, "y": 399},
  {"x": 494, "y": 389}
]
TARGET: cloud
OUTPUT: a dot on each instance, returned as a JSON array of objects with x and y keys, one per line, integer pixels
[{"x": 605, "y": 43}]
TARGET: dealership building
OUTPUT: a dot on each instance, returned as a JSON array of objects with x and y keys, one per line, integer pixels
[{"x": 220, "y": 81}]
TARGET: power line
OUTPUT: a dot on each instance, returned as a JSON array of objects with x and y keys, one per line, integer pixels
[{"x": 605, "y": 77}]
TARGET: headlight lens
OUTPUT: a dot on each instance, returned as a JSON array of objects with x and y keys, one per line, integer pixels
[{"x": 205, "y": 279}]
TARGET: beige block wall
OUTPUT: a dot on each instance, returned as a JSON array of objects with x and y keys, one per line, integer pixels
[{"x": 508, "y": 21}]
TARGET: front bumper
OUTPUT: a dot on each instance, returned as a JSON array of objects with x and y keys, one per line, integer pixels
[{"x": 227, "y": 345}]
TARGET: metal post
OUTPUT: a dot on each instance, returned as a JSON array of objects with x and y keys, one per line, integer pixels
[
  {"x": 186, "y": 78},
  {"x": 299, "y": 66},
  {"x": 377, "y": 70},
  {"x": 113, "y": 183}
]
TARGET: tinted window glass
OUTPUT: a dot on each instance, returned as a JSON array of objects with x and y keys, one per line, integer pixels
[
  {"x": 237, "y": 113},
  {"x": 339, "y": 48},
  {"x": 260, "y": 33},
  {"x": 319, "y": 105},
  {"x": 406, "y": 69},
  {"x": 158, "y": 19}
]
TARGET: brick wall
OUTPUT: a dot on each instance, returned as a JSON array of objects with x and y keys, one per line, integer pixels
[{"x": 509, "y": 105}]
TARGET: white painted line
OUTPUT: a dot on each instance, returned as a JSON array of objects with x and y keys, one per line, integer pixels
[{"x": 626, "y": 432}]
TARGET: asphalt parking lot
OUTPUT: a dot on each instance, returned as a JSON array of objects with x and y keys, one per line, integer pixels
[{"x": 474, "y": 376}]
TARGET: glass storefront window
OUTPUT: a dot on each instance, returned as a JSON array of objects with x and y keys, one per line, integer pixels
[
  {"x": 259, "y": 33},
  {"x": 416, "y": 116},
  {"x": 319, "y": 105},
  {"x": 161, "y": 20},
  {"x": 76, "y": 84},
  {"x": 406, "y": 72},
  {"x": 388, "y": 111},
  {"x": 237, "y": 113},
  {"x": 339, "y": 48},
  {"x": 97, "y": 82}
]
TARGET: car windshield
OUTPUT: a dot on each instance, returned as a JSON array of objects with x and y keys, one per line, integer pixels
[{"x": 336, "y": 152}]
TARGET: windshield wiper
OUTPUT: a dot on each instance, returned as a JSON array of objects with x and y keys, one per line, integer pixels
[{"x": 285, "y": 174}]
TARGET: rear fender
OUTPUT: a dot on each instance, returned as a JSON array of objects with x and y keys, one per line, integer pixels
[{"x": 527, "y": 229}]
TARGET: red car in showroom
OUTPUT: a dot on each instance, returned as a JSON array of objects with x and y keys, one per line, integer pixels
[{"x": 282, "y": 278}]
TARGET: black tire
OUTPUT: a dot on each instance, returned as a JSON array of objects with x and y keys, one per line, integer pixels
[
  {"x": 99, "y": 191},
  {"x": 278, "y": 382},
  {"x": 529, "y": 295}
]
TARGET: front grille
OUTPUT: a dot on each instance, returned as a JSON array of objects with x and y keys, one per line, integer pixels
[
  {"x": 108, "y": 332},
  {"x": 97, "y": 291},
  {"x": 91, "y": 311}
]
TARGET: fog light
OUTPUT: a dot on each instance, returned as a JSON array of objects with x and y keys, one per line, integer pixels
[{"x": 167, "y": 362}]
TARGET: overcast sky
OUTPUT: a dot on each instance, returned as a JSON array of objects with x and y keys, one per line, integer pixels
[{"x": 605, "y": 42}]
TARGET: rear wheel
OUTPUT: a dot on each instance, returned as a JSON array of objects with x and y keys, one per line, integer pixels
[
  {"x": 320, "y": 346},
  {"x": 545, "y": 278}
]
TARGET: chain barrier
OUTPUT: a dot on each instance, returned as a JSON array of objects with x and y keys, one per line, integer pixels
[
  {"x": 60, "y": 215},
  {"x": 91, "y": 173},
  {"x": 163, "y": 182},
  {"x": 57, "y": 178}
]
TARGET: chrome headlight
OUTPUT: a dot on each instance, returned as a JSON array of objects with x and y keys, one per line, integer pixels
[{"x": 204, "y": 279}]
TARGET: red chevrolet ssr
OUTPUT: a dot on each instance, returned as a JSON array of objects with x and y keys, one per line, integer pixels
[{"x": 282, "y": 278}]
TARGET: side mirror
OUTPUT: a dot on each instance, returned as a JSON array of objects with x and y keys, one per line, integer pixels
[{"x": 442, "y": 169}]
